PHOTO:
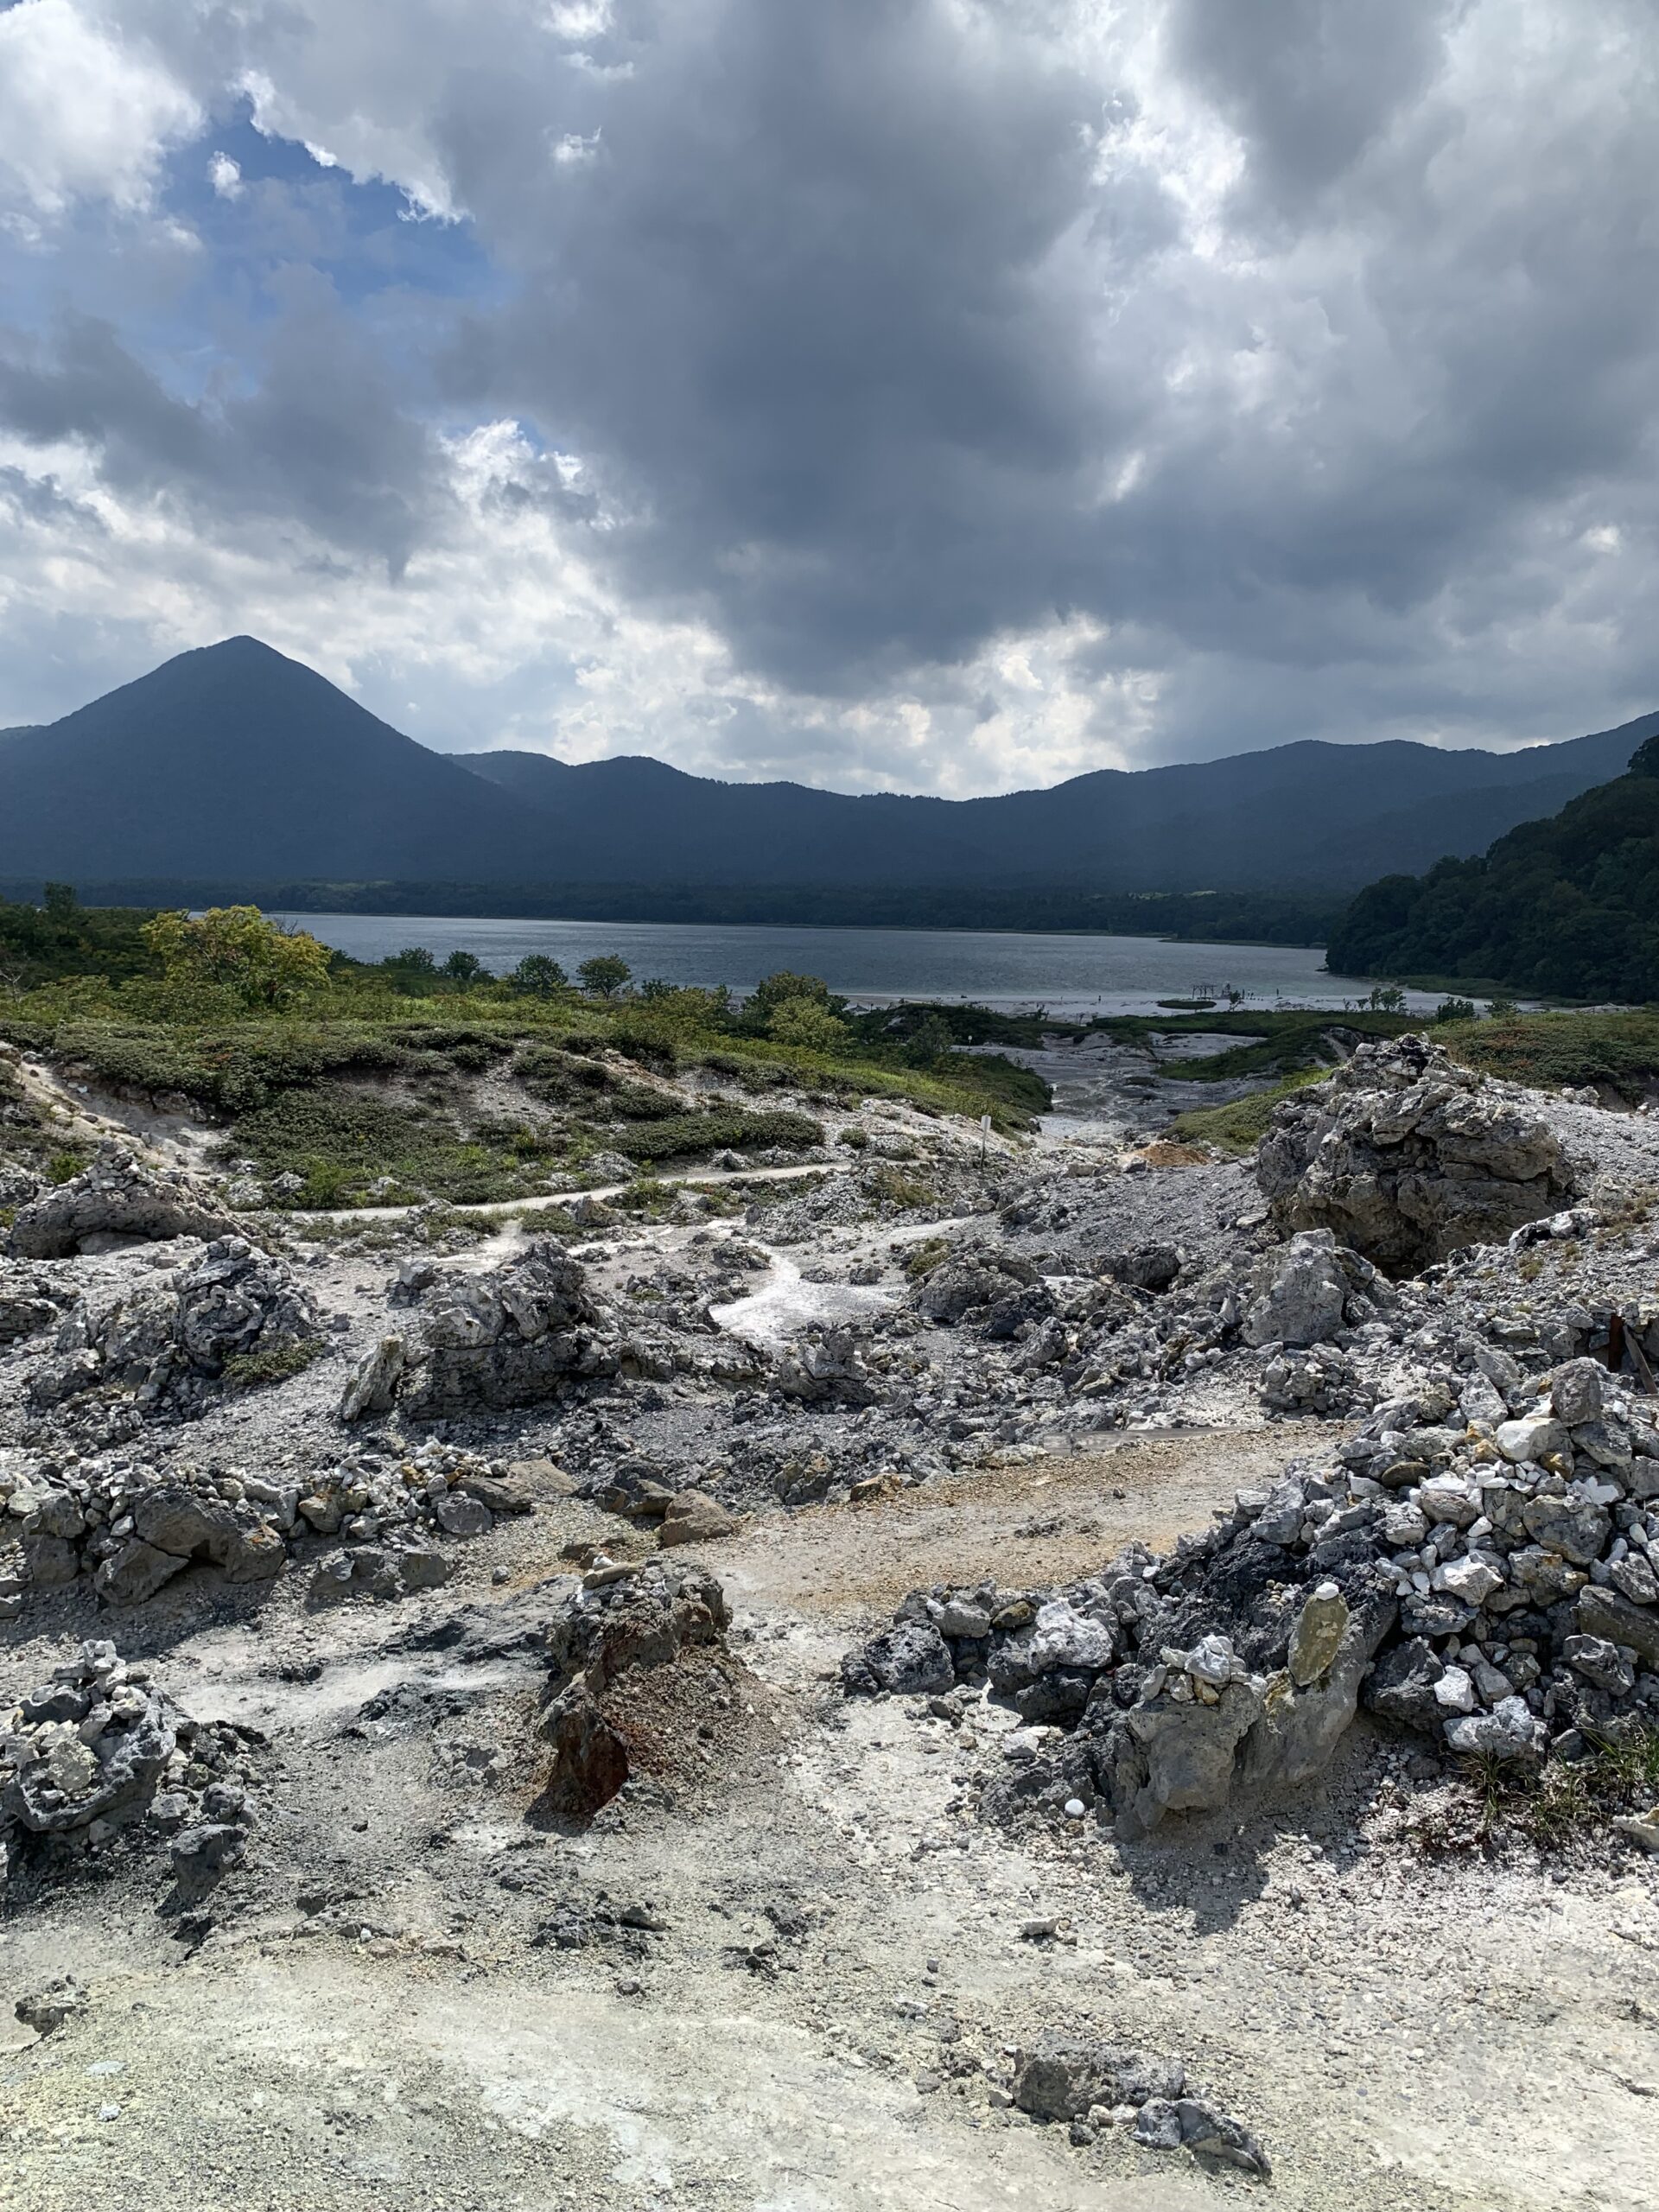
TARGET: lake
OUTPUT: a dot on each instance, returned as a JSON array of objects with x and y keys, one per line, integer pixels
[{"x": 1079, "y": 975}]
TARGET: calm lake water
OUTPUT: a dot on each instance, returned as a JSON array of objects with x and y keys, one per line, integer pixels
[{"x": 1067, "y": 974}]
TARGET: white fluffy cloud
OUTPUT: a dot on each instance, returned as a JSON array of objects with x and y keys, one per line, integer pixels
[
  {"x": 84, "y": 111},
  {"x": 957, "y": 395}
]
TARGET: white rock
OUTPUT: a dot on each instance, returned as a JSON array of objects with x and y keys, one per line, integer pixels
[
  {"x": 1532, "y": 1440},
  {"x": 1470, "y": 1578},
  {"x": 1212, "y": 1660},
  {"x": 1454, "y": 1692}
]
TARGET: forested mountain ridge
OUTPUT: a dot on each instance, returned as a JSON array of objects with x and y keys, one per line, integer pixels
[
  {"x": 1568, "y": 906},
  {"x": 236, "y": 763}
]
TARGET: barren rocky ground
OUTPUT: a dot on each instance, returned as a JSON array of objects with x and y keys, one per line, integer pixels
[{"x": 800, "y": 1959}]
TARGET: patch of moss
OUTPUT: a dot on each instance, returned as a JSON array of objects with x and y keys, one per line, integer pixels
[{"x": 251, "y": 1370}]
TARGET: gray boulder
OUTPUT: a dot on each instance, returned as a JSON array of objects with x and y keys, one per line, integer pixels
[
  {"x": 1510, "y": 1732},
  {"x": 1063, "y": 2076},
  {"x": 1196, "y": 2126},
  {"x": 1406, "y": 1157},
  {"x": 1401, "y": 1687},
  {"x": 100, "y": 1762},
  {"x": 30, "y": 1300},
  {"x": 1301, "y": 1295},
  {"x": 909, "y": 1657},
  {"x": 824, "y": 1370},
  {"x": 515, "y": 1335},
  {"x": 1174, "y": 1754},
  {"x": 974, "y": 1281},
  {"x": 135, "y": 1573},
  {"x": 113, "y": 1201},
  {"x": 188, "y": 1526},
  {"x": 373, "y": 1385},
  {"x": 613, "y": 1630}
]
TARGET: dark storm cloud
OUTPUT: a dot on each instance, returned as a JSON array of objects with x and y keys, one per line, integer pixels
[
  {"x": 858, "y": 316},
  {"x": 807, "y": 303},
  {"x": 1309, "y": 84},
  {"x": 1299, "y": 353}
]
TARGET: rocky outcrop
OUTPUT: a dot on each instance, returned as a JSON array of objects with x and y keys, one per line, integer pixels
[
  {"x": 997, "y": 1289},
  {"x": 1308, "y": 1290},
  {"x": 115, "y": 1201},
  {"x": 1406, "y": 1157},
  {"x": 165, "y": 1345},
  {"x": 514, "y": 1337},
  {"x": 97, "y": 1749},
  {"x": 134, "y": 1527},
  {"x": 1493, "y": 1584},
  {"x": 823, "y": 1369},
  {"x": 623, "y": 1622},
  {"x": 373, "y": 1386},
  {"x": 31, "y": 1300},
  {"x": 1095, "y": 2085}
]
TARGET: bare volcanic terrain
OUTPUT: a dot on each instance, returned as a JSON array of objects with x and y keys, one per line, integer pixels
[{"x": 917, "y": 1670}]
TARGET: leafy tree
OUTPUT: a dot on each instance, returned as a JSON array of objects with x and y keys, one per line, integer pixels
[
  {"x": 930, "y": 1039},
  {"x": 808, "y": 1024},
  {"x": 604, "y": 975},
  {"x": 772, "y": 993},
  {"x": 683, "y": 1008},
  {"x": 1568, "y": 906},
  {"x": 463, "y": 966},
  {"x": 538, "y": 975},
  {"x": 60, "y": 901},
  {"x": 235, "y": 947},
  {"x": 1387, "y": 998},
  {"x": 417, "y": 958},
  {"x": 1455, "y": 1010}
]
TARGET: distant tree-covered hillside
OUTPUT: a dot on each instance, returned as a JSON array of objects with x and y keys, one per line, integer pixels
[{"x": 1569, "y": 907}]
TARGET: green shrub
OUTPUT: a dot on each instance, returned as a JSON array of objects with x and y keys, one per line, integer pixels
[
  {"x": 686, "y": 1135},
  {"x": 888, "y": 1187},
  {"x": 1550, "y": 1051},
  {"x": 341, "y": 1142},
  {"x": 248, "y": 1370}
]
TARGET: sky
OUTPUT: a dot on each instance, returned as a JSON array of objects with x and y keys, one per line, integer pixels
[{"x": 888, "y": 394}]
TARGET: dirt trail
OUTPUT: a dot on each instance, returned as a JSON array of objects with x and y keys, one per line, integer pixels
[
  {"x": 701, "y": 1177},
  {"x": 1048, "y": 1521}
]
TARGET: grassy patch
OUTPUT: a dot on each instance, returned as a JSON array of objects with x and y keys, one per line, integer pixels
[
  {"x": 1565, "y": 1805},
  {"x": 250, "y": 1370},
  {"x": 921, "y": 1260},
  {"x": 1550, "y": 1051},
  {"x": 1243, "y": 1122},
  {"x": 342, "y": 1141}
]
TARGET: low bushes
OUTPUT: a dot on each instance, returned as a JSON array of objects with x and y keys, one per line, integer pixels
[{"x": 683, "y": 1135}]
